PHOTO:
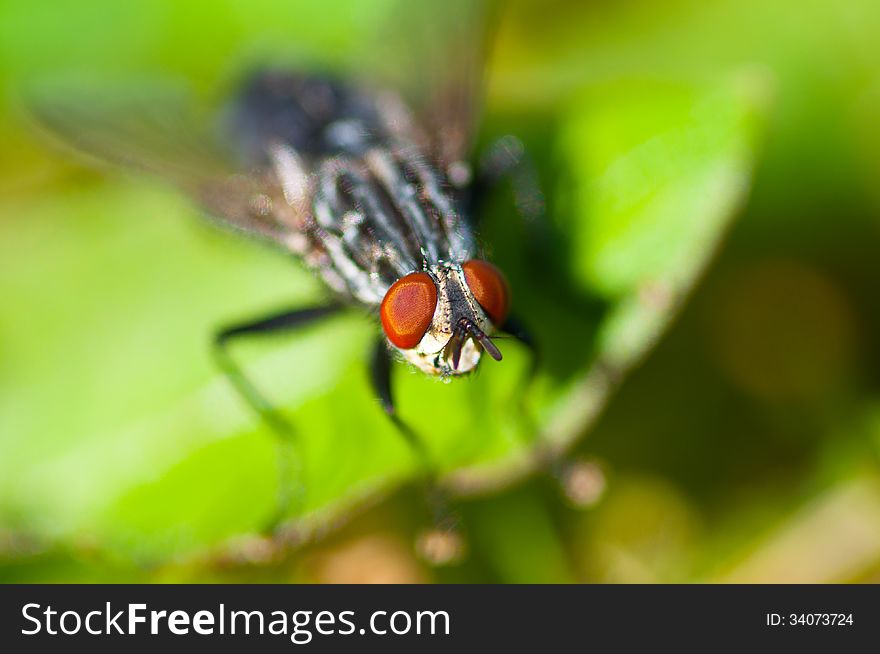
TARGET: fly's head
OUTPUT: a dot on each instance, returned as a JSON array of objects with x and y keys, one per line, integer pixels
[{"x": 441, "y": 319}]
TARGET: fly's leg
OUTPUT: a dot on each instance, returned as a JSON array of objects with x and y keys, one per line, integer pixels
[
  {"x": 380, "y": 377},
  {"x": 507, "y": 159},
  {"x": 287, "y": 442},
  {"x": 442, "y": 543},
  {"x": 380, "y": 373},
  {"x": 582, "y": 481}
]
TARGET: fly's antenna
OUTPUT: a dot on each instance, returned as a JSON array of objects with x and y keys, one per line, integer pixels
[{"x": 467, "y": 325}]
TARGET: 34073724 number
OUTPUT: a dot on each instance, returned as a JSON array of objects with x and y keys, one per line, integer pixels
[{"x": 810, "y": 619}]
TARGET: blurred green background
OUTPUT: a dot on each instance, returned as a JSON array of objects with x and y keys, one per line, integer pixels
[{"x": 705, "y": 291}]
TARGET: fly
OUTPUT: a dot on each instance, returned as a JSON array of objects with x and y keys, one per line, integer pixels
[
  {"x": 373, "y": 216},
  {"x": 378, "y": 200}
]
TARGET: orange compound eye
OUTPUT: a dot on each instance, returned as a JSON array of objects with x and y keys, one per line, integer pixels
[
  {"x": 408, "y": 308},
  {"x": 489, "y": 288}
]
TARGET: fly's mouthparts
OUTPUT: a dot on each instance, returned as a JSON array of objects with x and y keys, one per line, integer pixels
[
  {"x": 456, "y": 343},
  {"x": 464, "y": 328}
]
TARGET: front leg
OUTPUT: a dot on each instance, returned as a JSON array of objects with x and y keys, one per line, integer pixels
[
  {"x": 380, "y": 377},
  {"x": 442, "y": 543},
  {"x": 280, "y": 322}
]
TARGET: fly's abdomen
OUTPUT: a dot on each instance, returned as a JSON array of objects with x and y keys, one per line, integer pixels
[{"x": 313, "y": 115}]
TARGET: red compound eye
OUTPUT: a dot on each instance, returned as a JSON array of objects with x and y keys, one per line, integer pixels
[
  {"x": 408, "y": 308},
  {"x": 489, "y": 288}
]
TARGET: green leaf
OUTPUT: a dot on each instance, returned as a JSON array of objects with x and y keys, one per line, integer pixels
[
  {"x": 119, "y": 435},
  {"x": 659, "y": 186}
]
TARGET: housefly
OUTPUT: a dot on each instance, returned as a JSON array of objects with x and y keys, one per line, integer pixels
[{"x": 370, "y": 190}]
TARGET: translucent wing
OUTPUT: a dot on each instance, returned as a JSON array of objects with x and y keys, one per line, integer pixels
[
  {"x": 157, "y": 129},
  {"x": 435, "y": 55}
]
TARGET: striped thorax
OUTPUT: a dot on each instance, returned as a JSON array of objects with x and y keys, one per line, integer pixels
[{"x": 385, "y": 230}]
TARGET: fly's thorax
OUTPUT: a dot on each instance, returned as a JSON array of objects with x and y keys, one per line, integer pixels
[{"x": 455, "y": 302}]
